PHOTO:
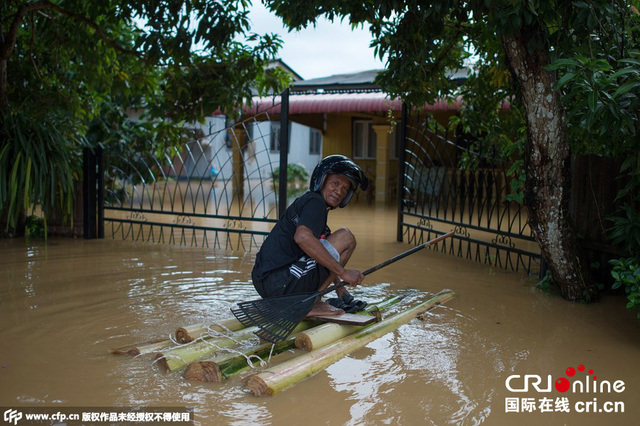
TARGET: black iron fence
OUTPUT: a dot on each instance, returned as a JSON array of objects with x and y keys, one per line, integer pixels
[
  {"x": 447, "y": 186},
  {"x": 218, "y": 189},
  {"x": 222, "y": 189}
]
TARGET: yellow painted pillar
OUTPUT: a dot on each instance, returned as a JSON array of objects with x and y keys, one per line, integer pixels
[
  {"x": 238, "y": 142},
  {"x": 382, "y": 162}
]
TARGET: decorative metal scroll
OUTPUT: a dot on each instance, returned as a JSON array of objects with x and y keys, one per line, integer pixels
[
  {"x": 216, "y": 190},
  {"x": 449, "y": 185}
]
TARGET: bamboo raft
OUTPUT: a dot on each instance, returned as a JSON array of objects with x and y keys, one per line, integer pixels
[{"x": 218, "y": 352}]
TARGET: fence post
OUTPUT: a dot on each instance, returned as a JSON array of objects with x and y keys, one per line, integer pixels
[
  {"x": 100, "y": 189},
  {"x": 284, "y": 151},
  {"x": 92, "y": 193},
  {"x": 401, "y": 160},
  {"x": 89, "y": 193},
  {"x": 238, "y": 160}
]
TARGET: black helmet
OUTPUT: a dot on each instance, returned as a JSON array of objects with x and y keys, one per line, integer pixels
[{"x": 341, "y": 165}]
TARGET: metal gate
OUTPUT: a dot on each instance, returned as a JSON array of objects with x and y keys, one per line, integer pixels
[
  {"x": 446, "y": 185},
  {"x": 218, "y": 189},
  {"x": 222, "y": 189}
]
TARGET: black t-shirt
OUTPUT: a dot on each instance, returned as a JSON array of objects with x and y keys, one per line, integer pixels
[{"x": 279, "y": 248}]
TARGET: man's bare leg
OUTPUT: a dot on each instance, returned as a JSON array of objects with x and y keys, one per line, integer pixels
[{"x": 345, "y": 243}]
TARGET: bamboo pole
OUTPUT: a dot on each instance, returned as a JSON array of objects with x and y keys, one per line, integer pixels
[{"x": 290, "y": 372}]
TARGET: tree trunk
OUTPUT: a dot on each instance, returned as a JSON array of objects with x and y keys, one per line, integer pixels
[{"x": 547, "y": 158}]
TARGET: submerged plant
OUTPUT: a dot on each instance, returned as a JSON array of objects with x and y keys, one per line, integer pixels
[
  {"x": 35, "y": 227},
  {"x": 545, "y": 283}
]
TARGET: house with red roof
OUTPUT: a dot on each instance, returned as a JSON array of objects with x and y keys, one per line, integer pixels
[{"x": 352, "y": 116}]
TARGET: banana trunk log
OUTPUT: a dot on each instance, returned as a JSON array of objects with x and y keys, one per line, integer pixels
[
  {"x": 290, "y": 372},
  {"x": 183, "y": 335},
  {"x": 142, "y": 348},
  {"x": 326, "y": 333},
  {"x": 179, "y": 357},
  {"x": 223, "y": 366},
  {"x": 190, "y": 333}
]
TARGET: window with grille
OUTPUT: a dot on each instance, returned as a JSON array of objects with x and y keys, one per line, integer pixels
[
  {"x": 364, "y": 140},
  {"x": 315, "y": 142},
  {"x": 274, "y": 142}
]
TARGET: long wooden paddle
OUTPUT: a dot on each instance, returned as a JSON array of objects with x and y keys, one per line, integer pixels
[{"x": 276, "y": 317}]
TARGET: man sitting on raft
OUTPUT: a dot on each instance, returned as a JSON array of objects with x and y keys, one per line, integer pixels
[{"x": 301, "y": 254}]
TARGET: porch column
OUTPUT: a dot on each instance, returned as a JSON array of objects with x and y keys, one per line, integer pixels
[
  {"x": 382, "y": 162},
  {"x": 239, "y": 141}
]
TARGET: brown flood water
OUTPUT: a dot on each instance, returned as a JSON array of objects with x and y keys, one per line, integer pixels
[{"x": 65, "y": 304}]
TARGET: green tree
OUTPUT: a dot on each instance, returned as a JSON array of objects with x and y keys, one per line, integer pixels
[
  {"x": 420, "y": 41},
  {"x": 69, "y": 68},
  {"x": 601, "y": 91}
]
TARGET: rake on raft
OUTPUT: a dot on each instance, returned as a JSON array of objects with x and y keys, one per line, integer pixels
[{"x": 276, "y": 317}]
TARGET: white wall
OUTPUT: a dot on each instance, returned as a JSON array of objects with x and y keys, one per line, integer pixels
[
  {"x": 298, "y": 150},
  {"x": 210, "y": 150},
  {"x": 260, "y": 160}
]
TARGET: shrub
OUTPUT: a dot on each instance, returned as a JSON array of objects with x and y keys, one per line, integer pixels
[
  {"x": 294, "y": 172},
  {"x": 626, "y": 272}
]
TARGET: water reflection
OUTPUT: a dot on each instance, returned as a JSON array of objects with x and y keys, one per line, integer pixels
[{"x": 64, "y": 305}]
